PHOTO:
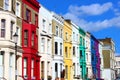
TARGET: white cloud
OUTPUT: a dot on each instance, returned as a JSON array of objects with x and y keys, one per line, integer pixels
[{"x": 94, "y": 9}]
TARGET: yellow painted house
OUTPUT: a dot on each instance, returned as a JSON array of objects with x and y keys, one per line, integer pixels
[{"x": 67, "y": 43}]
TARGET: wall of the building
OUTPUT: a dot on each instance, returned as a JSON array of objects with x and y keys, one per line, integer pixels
[
  {"x": 7, "y": 44},
  {"x": 67, "y": 43},
  {"x": 88, "y": 55},
  {"x": 82, "y": 52},
  {"x": 46, "y": 55},
  {"x": 75, "y": 56}
]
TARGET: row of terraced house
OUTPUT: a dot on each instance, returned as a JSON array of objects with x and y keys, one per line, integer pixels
[{"x": 49, "y": 47}]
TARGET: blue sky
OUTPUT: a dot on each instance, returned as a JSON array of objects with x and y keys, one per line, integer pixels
[{"x": 100, "y": 17}]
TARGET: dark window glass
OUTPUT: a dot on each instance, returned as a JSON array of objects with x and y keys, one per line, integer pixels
[
  {"x": 56, "y": 48},
  {"x": 26, "y": 38},
  {"x": 28, "y": 15}
]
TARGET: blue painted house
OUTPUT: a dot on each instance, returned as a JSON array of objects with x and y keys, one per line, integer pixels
[{"x": 95, "y": 58}]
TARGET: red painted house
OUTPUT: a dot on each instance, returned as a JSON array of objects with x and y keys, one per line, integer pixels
[{"x": 30, "y": 59}]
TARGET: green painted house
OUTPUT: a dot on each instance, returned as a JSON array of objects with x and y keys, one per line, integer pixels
[{"x": 82, "y": 57}]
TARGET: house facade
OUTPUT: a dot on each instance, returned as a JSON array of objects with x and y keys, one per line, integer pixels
[
  {"x": 57, "y": 46},
  {"x": 88, "y": 55},
  {"x": 75, "y": 51},
  {"x": 68, "y": 63},
  {"x": 101, "y": 60},
  {"x": 9, "y": 56},
  {"x": 45, "y": 42},
  {"x": 108, "y": 51},
  {"x": 82, "y": 58},
  {"x": 95, "y": 58},
  {"x": 30, "y": 57}
]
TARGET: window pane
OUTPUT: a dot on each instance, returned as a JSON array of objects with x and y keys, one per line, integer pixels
[
  {"x": 66, "y": 72},
  {"x": 66, "y": 52},
  {"x": 60, "y": 48},
  {"x": 42, "y": 69},
  {"x": 61, "y": 33},
  {"x": 28, "y": 14},
  {"x": 80, "y": 53},
  {"x": 25, "y": 66},
  {"x": 11, "y": 30},
  {"x": 56, "y": 30},
  {"x": 48, "y": 46},
  {"x": 56, "y": 48},
  {"x": 3, "y": 28},
  {"x": 32, "y": 68},
  {"x": 1, "y": 63},
  {"x": 56, "y": 70},
  {"x": 42, "y": 45},
  {"x": 11, "y": 59},
  {"x": 6, "y": 4},
  {"x": 18, "y": 9},
  {"x": 1, "y": 58},
  {"x": 32, "y": 39},
  {"x": 36, "y": 20},
  {"x": 44, "y": 22},
  {"x": 25, "y": 38},
  {"x": 74, "y": 50},
  {"x": 66, "y": 36}
]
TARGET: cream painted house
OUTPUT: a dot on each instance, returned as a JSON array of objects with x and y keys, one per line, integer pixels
[
  {"x": 8, "y": 27},
  {"x": 57, "y": 46},
  {"x": 108, "y": 52}
]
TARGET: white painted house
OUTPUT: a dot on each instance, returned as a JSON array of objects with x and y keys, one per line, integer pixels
[
  {"x": 117, "y": 67},
  {"x": 45, "y": 42},
  {"x": 75, "y": 51},
  {"x": 88, "y": 55},
  {"x": 101, "y": 58}
]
